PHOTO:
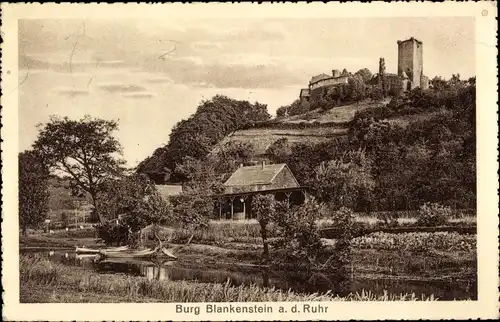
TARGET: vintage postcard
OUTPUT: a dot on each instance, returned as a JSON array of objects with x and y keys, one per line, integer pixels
[{"x": 249, "y": 162}]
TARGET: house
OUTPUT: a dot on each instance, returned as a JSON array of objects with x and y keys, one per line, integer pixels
[{"x": 248, "y": 181}]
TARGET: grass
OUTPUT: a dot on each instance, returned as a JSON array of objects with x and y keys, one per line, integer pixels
[
  {"x": 220, "y": 232},
  {"x": 45, "y": 281}
]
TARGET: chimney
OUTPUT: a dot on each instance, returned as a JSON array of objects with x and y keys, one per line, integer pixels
[
  {"x": 263, "y": 164},
  {"x": 335, "y": 73}
]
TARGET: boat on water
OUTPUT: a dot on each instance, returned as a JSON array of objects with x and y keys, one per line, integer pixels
[
  {"x": 83, "y": 250},
  {"x": 146, "y": 253},
  {"x": 128, "y": 253}
]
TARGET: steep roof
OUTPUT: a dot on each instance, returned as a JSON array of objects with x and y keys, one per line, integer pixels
[
  {"x": 255, "y": 174},
  {"x": 319, "y": 77},
  {"x": 168, "y": 190}
]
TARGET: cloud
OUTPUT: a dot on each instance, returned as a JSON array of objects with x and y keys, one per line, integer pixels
[
  {"x": 159, "y": 80},
  {"x": 121, "y": 88},
  {"x": 63, "y": 64},
  {"x": 72, "y": 92},
  {"x": 139, "y": 95}
]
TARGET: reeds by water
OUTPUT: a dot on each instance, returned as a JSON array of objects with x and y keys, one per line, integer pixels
[{"x": 75, "y": 284}]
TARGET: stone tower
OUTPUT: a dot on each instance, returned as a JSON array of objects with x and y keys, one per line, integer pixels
[{"x": 410, "y": 60}]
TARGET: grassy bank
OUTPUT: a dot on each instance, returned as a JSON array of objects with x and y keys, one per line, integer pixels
[{"x": 45, "y": 281}]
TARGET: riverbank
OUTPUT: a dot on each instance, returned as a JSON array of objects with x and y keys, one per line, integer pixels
[
  {"x": 429, "y": 257},
  {"x": 43, "y": 281}
]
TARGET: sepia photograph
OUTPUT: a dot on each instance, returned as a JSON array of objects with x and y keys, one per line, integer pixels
[{"x": 255, "y": 160}]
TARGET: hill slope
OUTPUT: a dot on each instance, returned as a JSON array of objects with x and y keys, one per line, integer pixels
[{"x": 315, "y": 126}]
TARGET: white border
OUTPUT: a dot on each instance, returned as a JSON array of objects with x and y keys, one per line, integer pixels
[{"x": 487, "y": 166}]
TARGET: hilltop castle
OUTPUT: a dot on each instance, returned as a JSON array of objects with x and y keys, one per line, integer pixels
[{"x": 410, "y": 73}]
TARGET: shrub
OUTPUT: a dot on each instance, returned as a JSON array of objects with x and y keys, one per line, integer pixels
[
  {"x": 298, "y": 235},
  {"x": 433, "y": 214}
]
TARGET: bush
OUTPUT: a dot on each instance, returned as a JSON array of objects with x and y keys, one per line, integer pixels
[
  {"x": 298, "y": 235},
  {"x": 433, "y": 214}
]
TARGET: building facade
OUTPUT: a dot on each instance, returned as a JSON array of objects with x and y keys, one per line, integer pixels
[
  {"x": 249, "y": 181},
  {"x": 411, "y": 63},
  {"x": 410, "y": 74}
]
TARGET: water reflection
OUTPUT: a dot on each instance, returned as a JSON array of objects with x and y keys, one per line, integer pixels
[{"x": 297, "y": 281}]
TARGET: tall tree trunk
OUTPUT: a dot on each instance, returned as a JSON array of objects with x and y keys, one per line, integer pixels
[
  {"x": 93, "y": 195},
  {"x": 265, "y": 243}
]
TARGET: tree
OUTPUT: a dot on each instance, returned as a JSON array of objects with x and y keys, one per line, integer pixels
[
  {"x": 85, "y": 150},
  {"x": 365, "y": 74},
  {"x": 296, "y": 108},
  {"x": 192, "y": 211},
  {"x": 196, "y": 136},
  {"x": 357, "y": 88},
  {"x": 279, "y": 151},
  {"x": 346, "y": 182},
  {"x": 298, "y": 234},
  {"x": 134, "y": 203},
  {"x": 264, "y": 208},
  {"x": 33, "y": 190}
]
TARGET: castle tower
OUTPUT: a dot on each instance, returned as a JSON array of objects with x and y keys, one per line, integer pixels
[{"x": 410, "y": 60}]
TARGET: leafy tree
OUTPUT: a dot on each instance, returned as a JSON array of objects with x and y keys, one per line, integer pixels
[
  {"x": 346, "y": 182},
  {"x": 296, "y": 108},
  {"x": 192, "y": 211},
  {"x": 33, "y": 190},
  {"x": 438, "y": 84},
  {"x": 231, "y": 155},
  {"x": 264, "y": 208},
  {"x": 343, "y": 220},
  {"x": 298, "y": 235},
  {"x": 85, "y": 150},
  {"x": 357, "y": 88},
  {"x": 197, "y": 135},
  {"x": 133, "y": 203},
  {"x": 365, "y": 74},
  {"x": 279, "y": 151}
]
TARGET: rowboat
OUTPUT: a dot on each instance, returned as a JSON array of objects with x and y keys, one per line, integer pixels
[
  {"x": 83, "y": 250},
  {"x": 128, "y": 254},
  {"x": 168, "y": 253}
]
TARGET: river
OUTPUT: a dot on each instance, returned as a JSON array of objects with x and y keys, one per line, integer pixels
[{"x": 447, "y": 289}]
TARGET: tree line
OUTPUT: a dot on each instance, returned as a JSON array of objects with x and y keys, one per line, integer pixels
[
  {"x": 419, "y": 148},
  {"x": 196, "y": 136}
]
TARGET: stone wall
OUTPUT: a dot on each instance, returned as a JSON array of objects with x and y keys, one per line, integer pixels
[{"x": 332, "y": 81}]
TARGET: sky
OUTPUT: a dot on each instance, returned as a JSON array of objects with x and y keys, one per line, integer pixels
[{"x": 150, "y": 74}]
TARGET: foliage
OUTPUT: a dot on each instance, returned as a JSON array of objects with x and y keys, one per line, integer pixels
[
  {"x": 343, "y": 219},
  {"x": 192, "y": 210},
  {"x": 196, "y": 136},
  {"x": 357, "y": 89},
  {"x": 298, "y": 235},
  {"x": 296, "y": 108},
  {"x": 264, "y": 207},
  {"x": 429, "y": 159},
  {"x": 345, "y": 182},
  {"x": 365, "y": 74},
  {"x": 85, "y": 150},
  {"x": 33, "y": 190},
  {"x": 130, "y": 204},
  {"x": 442, "y": 241},
  {"x": 280, "y": 150},
  {"x": 433, "y": 214}
]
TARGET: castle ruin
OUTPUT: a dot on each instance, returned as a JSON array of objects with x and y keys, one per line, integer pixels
[{"x": 410, "y": 73}]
